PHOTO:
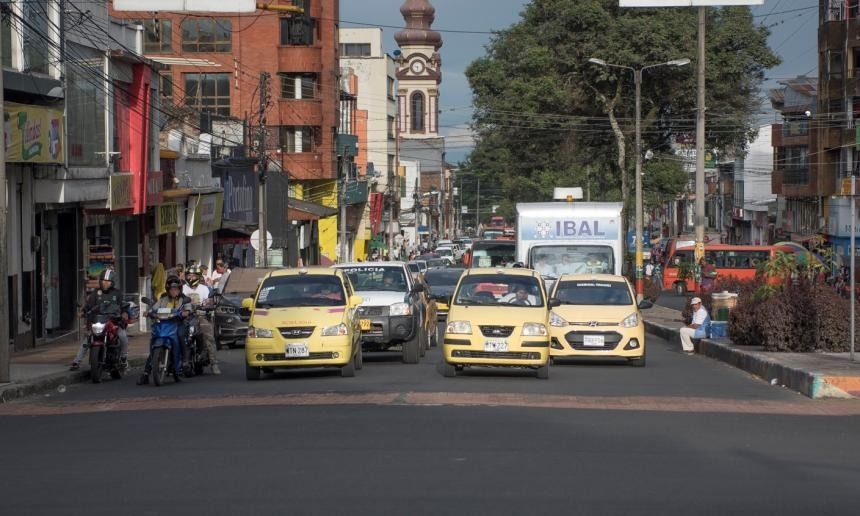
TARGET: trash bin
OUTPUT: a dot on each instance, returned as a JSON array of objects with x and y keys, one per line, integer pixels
[{"x": 722, "y": 304}]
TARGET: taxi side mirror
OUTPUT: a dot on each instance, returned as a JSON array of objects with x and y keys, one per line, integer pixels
[
  {"x": 645, "y": 304},
  {"x": 554, "y": 303},
  {"x": 355, "y": 300},
  {"x": 248, "y": 303}
]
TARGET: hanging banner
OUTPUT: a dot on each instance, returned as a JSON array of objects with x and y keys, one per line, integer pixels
[
  {"x": 167, "y": 218},
  {"x": 34, "y": 134},
  {"x": 121, "y": 194},
  {"x": 206, "y": 212}
]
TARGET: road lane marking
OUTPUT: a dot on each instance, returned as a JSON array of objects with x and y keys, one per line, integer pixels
[{"x": 676, "y": 404}]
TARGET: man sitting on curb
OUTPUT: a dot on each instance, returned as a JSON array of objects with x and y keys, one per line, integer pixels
[{"x": 698, "y": 328}]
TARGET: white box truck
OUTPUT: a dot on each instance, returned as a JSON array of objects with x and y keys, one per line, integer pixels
[{"x": 570, "y": 237}]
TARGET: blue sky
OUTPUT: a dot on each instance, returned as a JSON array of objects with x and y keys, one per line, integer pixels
[{"x": 794, "y": 37}]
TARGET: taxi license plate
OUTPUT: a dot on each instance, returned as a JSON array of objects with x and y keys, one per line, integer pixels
[
  {"x": 496, "y": 346},
  {"x": 364, "y": 324},
  {"x": 297, "y": 351},
  {"x": 593, "y": 341}
]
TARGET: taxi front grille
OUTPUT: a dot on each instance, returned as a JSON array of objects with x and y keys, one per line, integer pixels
[
  {"x": 576, "y": 340},
  {"x": 372, "y": 311},
  {"x": 296, "y": 332},
  {"x": 280, "y": 357},
  {"x": 506, "y": 355},
  {"x": 497, "y": 331}
]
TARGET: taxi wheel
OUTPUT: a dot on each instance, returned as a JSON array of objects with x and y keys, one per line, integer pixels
[
  {"x": 450, "y": 370},
  {"x": 252, "y": 373},
  {"x": 543, "y": 372},
  {"x": 348, "y": 371}
]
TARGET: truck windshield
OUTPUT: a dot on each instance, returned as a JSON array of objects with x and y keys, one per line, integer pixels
[{"x": 554, "y": 260}]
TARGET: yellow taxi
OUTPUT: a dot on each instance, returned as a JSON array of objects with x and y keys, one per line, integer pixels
[
  {"x": 596, "y": 316},
  {"x": 303, "y": 318},
  {"x": 497, "y": 317}
]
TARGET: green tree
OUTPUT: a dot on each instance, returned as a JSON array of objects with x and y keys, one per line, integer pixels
[{"x": 545, "y": 117}]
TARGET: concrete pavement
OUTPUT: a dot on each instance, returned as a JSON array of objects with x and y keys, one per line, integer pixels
[{"x": 817, "y": 375}]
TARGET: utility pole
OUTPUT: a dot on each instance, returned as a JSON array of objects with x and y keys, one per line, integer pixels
[
  {"x": 4, "y": 256},
  {"x": 344, "y": 248},
  {"x": 700, "y": 143},
  {"x": 478, "y": 208},
  {"x": 261, "y": 153},
  {"x": 640, "y": 281}
]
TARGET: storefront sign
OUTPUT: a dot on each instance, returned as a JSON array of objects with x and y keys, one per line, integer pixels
[
  {"x": 121, "y": 195},
  {"x": 34, "y": 134},
  {"x": 840, "y": 218},
  {"x": 167, "y": 218},
  {"x": 737, "y": 213},
  {"x": 240, "y": 196},
  {"x": 206, "y": 212}
]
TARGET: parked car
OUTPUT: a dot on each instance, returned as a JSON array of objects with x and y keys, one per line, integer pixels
[
  {"x": 393, "y": 313},
  {"x": 230, "y": 322}
]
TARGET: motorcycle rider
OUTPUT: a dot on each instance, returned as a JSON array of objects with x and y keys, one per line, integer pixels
[
  {"x": 172, "y": 299},
  {"x": 106, "y": 300},
  {"x": 199, "y": 293}
]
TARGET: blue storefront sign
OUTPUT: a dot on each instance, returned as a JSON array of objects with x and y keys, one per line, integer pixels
[{"x": 646, "y": 239}]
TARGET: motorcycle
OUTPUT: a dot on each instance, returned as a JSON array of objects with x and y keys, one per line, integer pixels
[
  {"x": 104, "y": 348},
  {"x": 165, "y": 356},
  {"x": 198, "y": 353}
]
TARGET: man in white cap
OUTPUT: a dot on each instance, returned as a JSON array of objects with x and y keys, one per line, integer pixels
[{"x": 698, "y": 328}]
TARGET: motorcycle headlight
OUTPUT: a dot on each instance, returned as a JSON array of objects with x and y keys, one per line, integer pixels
[
  {"x": 335, "y": 331},
  {"x": 400, "y": 309},
  {"x": 226, "y": 310},
  {"x": 98, "y": 328},
  {"x": 631, "y": 321},
  {"x": 459, "y": 327},
  {"x": 259, "y": 333},
  {"x": 557, "y": 320},
  {"x": 531, "y": 329}
]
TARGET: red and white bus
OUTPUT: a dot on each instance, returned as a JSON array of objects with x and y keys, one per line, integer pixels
[{"x": 739, "y": 261}]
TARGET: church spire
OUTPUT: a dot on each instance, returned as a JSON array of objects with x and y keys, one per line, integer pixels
[{"x": 419, "y": 16}]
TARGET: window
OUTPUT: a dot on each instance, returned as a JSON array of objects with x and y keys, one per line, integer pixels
[
  {"x": 390, "y": 164},
  {"x": 795, "y": 163},
  {"x": 298, "y": 291},
  {"x": 499, "y": 289},
  {"x": 299, "y": 85},
  {"x": 165, "y": 85},
  {"x": 208, "y": 92},
  {"x": 157, "y": 36},
  {"x": 603, "y": 293},
  {"x": 417, "y": 111},
  {"x": 35, "y": 48},
  {"x": 834, "y": 64},
  {"x": 795, "y": 126},
  {"x": 298, "y": 30},
  {"x": 355, "y": 50},
  {"x": 299, "y": 138},
  {"x": 6, "y": 40},
  {"x": 85, "y": 106},
  {"x": 391, "y": 88},
  {"x": 391, "y": 128},
  {"x": 206, "y": 35}
]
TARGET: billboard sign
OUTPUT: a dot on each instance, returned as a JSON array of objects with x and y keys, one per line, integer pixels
[
  {"x": 211, "y": 6},
  {"x": 686, "y": 3},
  {"x": 33, "y": 134}
]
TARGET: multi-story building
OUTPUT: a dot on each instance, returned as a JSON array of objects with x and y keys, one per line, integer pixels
[
  {"x": 369, "y": 74},
  {"x": 796, "y": 170},
  {"x": 214, "y": 65}
]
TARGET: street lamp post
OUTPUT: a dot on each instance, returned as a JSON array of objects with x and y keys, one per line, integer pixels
[{"x": 637, "y": 80}]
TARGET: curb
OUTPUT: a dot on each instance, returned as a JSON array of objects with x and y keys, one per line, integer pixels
[
  {"x": 810, "y": 384},
  {"x": 52, "y": 381}
]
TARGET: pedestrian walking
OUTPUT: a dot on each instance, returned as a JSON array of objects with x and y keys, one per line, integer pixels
[{"x": 699, "y": 327}]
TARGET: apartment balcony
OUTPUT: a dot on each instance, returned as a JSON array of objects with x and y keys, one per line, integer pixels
[
  {"x": 308, "y": 166},
  {"x": 299, "y": 58},
  {"x": 300, "y": 112}
]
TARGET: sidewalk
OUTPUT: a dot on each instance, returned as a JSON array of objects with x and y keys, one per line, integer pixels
[
  {"x": 816, "y": 375},
  {"x": 47, "y": 367}
]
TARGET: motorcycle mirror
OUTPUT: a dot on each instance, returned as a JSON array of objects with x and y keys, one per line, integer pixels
[{"x": 147, "y": 301}]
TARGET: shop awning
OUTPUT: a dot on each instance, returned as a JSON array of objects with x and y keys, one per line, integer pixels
[{"x": 304, "y": 210}]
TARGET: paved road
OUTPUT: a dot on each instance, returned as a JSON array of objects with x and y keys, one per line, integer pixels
[{"x": 683, "y": 435}]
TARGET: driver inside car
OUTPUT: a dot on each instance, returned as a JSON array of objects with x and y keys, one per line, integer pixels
[{"x": 520, "y": 296}]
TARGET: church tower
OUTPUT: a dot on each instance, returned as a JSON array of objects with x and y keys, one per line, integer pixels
[{"x": 419, "y": 72}]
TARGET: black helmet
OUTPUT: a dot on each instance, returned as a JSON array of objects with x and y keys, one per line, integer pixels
[
  {"x": 108, "y": 275},
  {"x": 173, "y": 281}
]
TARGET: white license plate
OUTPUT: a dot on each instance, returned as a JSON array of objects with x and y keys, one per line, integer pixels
[
  {"x": 496, "y": 346},
  {"x": 593, "y": 341},
  {"x": 297, "y": 351}
]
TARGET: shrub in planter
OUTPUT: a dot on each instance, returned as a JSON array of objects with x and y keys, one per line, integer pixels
[{"x": 744, "y": 288}]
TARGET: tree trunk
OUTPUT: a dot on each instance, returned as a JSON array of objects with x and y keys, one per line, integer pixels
[{"x": 621, "y": 144}]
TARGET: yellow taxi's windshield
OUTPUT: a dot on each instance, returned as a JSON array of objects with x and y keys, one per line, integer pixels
[
  {"x": 499, "y": 289},
  {"x": 296, "y": 291},
  {"x": 588, "y": 292}
]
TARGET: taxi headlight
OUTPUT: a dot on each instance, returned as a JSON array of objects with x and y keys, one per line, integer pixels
[
  {"x": 259, "y": 333},
  {"x": 557, "y": 320},
  {"x": 531, "y": 329},
  {"x": 400, "y": 309},
  {"x": 335, "y": 331},
  {"x": 631, "y": 321},
  {"x": 459, "y": 327}
]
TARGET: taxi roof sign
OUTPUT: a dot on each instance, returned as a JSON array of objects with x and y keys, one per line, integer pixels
[{"x": 208, "y": 6}]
